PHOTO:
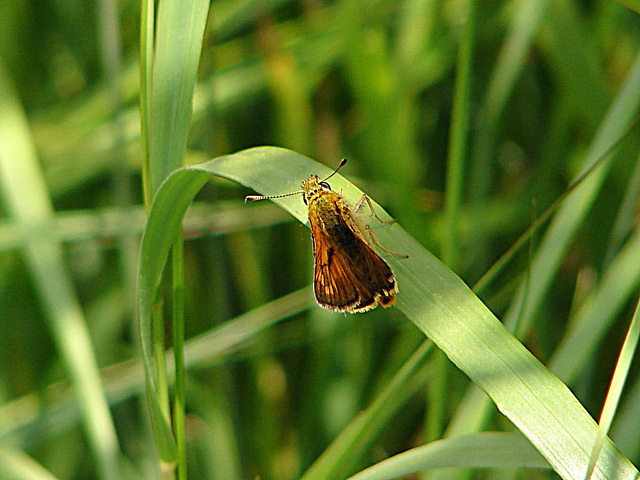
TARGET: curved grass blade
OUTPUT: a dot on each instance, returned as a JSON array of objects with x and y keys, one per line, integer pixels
[
  {"x": 431, "y": 296},
  {"x": 167, "y": 209},
  {"x": 478, "y": 450},
  {"x": 168, "y": 83}
]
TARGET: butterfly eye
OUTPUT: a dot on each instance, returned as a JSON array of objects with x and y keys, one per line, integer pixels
[
  {"x": 304, "y": 199},
  {"x": 325, "y": 185}
]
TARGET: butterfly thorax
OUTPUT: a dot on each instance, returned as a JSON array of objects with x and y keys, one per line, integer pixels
[{"x": 329, "y": 212}]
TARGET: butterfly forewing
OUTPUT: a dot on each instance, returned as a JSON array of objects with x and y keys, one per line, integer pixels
[{"x": 349, "y": 275}]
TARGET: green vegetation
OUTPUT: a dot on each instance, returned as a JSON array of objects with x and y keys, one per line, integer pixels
[{"x": 125, "y": 354}]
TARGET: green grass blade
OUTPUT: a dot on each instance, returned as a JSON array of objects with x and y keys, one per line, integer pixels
[
  {"x": 179, "y": 406},
  {"x": 23, "y": 416},
  {"x": 157, "y": 242},
  {"x": 345, "y": 452},
  {"x": 632, "y": 4},
  {"x": 626, "y": 425},
  {"x": 431, "y": 296},
  {"x": 599, "y": 312},
  {"x": 147, "y": 11},
  {"x": 458, "y": 140},
  {"x": 617, "y": 384},
  {"x": 457, "y": 157},
  {"x": 573, "y": 349},
  {"x": 570, "y": 216},
  {"x": 178, "y": 40},
  {"x": 26, "y": 199},
  {"x": 624, "y": 223},
  {"x": 167, "y": 99},
  {"x": 478, "y": 450},
  {"x": 527, "y": 18},
  {"x": 16, "y": 465}
]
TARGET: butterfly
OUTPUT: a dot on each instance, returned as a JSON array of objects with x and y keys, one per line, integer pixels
[{"x": 349, "y": 275}]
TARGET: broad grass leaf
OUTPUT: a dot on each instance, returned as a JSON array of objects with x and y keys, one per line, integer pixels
[{"x": 431, "y": 296}]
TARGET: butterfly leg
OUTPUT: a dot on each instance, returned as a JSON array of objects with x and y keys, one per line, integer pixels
[
  {"x": 360, "y": 203},
  {"x": 372, "y": 235},
  {"x": 374, "y": 240}
]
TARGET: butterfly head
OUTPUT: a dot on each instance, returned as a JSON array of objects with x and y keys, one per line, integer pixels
[{"x": 313, "y": 186}]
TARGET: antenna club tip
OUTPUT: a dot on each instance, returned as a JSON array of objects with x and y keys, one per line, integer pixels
[{"x": 342, "y": 163}]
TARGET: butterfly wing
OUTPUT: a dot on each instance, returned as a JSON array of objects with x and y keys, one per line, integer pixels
[
  {"x": 334, "y": 285},
  {"x": 349, "y": 275}
]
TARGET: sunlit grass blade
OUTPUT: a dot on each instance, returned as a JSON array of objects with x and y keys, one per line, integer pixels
[
  {"x": 571, "y": 352},
  {"x": 477, "y": 450},
  {"x": 431, "y": 296},
  {"x": 15, "y": 464},
  {"x": 620, "y": 373}
]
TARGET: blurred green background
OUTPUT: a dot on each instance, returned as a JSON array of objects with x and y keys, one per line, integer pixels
[{"x": 372, "y": 81}]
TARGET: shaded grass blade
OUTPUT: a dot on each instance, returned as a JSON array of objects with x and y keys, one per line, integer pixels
[
  {"x": 563, "y": 227},
  {"x": 27, "y": 201},
  {"x": 346, "y": 451},
  {"x": 178, "y": 39},
  {"x": 632, "y": 4},
  {"x": 457, "y": 156},
  {"x": 525, "y": 23},
  {"x": 170, "y": 56},
  {"x": 23, "y": 416},
  {"x": 599, "y": 312}
]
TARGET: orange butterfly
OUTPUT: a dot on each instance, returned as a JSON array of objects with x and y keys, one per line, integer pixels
[{"x": 349, "y": 275}]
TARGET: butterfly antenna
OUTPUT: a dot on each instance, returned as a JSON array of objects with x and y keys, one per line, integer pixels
[
  {"x": 343, "y": 162},
  {"x": 255, "y": 198}
]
